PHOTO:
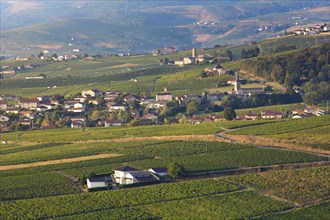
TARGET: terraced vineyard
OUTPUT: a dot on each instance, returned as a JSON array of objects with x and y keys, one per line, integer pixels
[
  {"x": 225, "y": 197},
  {"x": 302, "y": 186},
  {"x": 89, "y": 134},
  {"x": 34, "y": 186},
  {"x": 312, "y": 132}
]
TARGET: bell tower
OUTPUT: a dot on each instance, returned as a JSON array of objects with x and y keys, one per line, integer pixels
[{"x": 237, "y": 82}]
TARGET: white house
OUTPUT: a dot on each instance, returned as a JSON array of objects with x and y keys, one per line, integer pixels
[
  {"x": 3, "y": 118},
  {"x": 79, "y": 105},
  {"x": 160, "y": 171},
  {"x": 3, "y": 104},
  {"x": 76, "y": 110},
  {"x": 100, "y": 181},
  {"x": 148, "y": 117},
  {"x": 116, "y": 107},
  {"x": 108, "y": 123},
  {"x": 77, "y": 124},
  {"x": 129, "y": 175}
]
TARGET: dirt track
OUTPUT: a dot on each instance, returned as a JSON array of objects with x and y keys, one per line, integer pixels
[{"x": 51, "y": 162}]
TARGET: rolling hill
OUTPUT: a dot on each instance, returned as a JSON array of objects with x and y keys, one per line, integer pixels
[{"x": 136, "y": 27}]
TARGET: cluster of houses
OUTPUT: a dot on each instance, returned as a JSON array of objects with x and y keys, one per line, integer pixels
[
  {"x": 29, "y": 110},
  {"x": 310, "y": 30},
  {"x": 12, "y": 70},
  {"x": 126, "y": 175},
  {"x": 309, "y": 111},
  {"x": 194, "y": 58}
]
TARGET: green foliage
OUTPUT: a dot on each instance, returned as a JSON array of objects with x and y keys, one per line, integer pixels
[
  {"x": 229, "y": 113},
  {"x": 192, "y": 108},
  {"x": 291, "y": 69},
  {"x": 175, "y": 170}
]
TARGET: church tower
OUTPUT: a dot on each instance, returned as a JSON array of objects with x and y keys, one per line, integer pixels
[
  {"x": 193, "y": 53},
  {"x": 237, "y": 82}
]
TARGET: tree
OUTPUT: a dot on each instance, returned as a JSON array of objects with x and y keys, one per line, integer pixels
[
  {"x": 123, "y": 116},
  {"x": 40, "y": 55},
  {"x": 229, "y": 54},
  {"x": 174, "y": 170},
  {"x": 192, "y": 108},
  {"x": 229, "y": 113}
]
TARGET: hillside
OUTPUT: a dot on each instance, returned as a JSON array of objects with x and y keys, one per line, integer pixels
[
  {"x": 135, "y": 74},
  {"x": 129, "y": 27}
]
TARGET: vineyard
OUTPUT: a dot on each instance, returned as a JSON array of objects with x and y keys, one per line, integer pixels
[
  {"x": 84, "y": 203},
  {"x": 313, "y": 132},
  {"x": 303, "y": 186},
  {"x": 68, "y": 134},
  {"x": 34, "y": 186},
  {"x": 234, "y": 197},
  {"x": 320, "y": 211},
  {"x": 196, "y": 156}
]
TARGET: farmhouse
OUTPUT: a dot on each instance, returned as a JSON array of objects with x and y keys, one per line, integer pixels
[
  {"x": 28, "y": 103},
  {"x": 76, "y": 110},
  {"x": 77, "y": 124},
  {"x": 3, "y": 104},
  {"x": 128, "y": 175},
  {"x": 271, "y": 115},
  {"x": 251, "y": 116},
  {"x": 29, "y": 114},
  {"x": 164, "y": 96},
  {"x": 40, "y": 76},
  {"x": 108, "y": 123},
  {"x": 215, "y": 96},
  {"x": 91, "y": 93},
  {"x": 191, "y": 97},
  {"x": 99, "y": 181},
  {"x": 4, "y": 118},
  {"x": 148, "y": 117},
  {"x": 12, "y": 110},
  {"x": 116, "y": 107}
]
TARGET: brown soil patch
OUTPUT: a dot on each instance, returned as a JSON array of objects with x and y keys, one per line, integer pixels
[
  {"x": 51, "y": 162},
  {"x": 228, "y": 32},
  {"x": 202, "y": 37},
  {"x": 105, "y": 44},
  {"x": 210, "y": 137},
  {"x": 321, "y": 9},
  {"x": 125, "y": 65},
  {"x": 49, "y": 46},
  {"x": 272, "y": 142}
]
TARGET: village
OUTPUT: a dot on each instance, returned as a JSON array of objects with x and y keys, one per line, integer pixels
[{"x": 92, "y": 108}]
